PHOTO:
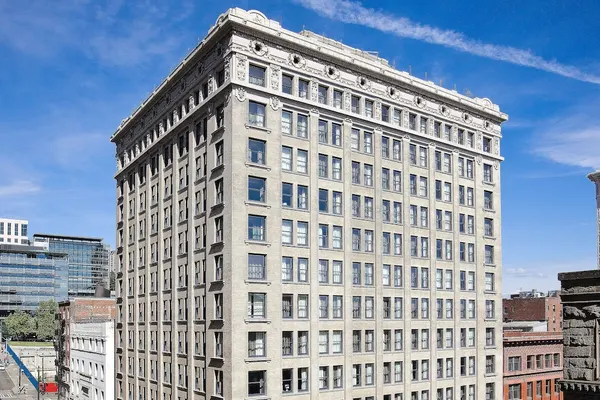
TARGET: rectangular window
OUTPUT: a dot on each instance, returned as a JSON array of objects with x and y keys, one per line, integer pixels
[
  {"x": 256, "y": 75},
  {"x": 256, "y": 114}
]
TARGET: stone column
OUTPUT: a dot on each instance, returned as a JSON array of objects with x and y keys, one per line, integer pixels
[{"x": 595, "y": 177}]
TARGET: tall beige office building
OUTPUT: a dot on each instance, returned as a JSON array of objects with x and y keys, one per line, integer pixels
[{"x": 297, "y": 219}]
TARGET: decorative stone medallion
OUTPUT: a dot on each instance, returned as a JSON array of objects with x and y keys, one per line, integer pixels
[
  {"x": 258, "y": 47},
  {"x": 297, "y": 60},
  {"x": 444, "y": 110},
  {"x": 363, "y": 82},
  {"x": 332, "y": 72},
  {"x": 420, "y": 102}
]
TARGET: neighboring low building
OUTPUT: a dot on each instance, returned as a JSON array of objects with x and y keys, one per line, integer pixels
[
  {"x": 30, "y": 275},
  {"x": 14, "y": 231},
  {"x": 526, "y": 326},
  {"x": 581, "y": 329},
  {"x": 85, "y": 349},
  {"x": 534, "y": 306},
  {"x": 532, "y": 365}
]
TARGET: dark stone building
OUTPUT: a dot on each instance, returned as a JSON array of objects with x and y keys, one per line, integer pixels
[{"x": 581, "y": 330}]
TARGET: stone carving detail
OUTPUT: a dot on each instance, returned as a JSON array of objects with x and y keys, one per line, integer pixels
[
  {"x": 496, "y": 164},
  {"x": 377, "y": 110},
  {"x": 496, "y": 146},
  {"x": 227, "y": 68},
  {"x": 467, "y": 118},
  {"x": 314, "y": 111},
  {"x": 227, "y": 97},
  {"x": 297, "y": 60},
  {"x": 275, "y": 103},
  {"x": 487, "y": 125},
  {"x": 191, "y": 102},
  {"x": 479, "y": 140},
  {"x": 211, "y": 80},
  {"x": 406, "y": 137},
  {"x": 479, "y": 159},
  {"x": 241, "y": 67},
  {"x": 348, "y": 120},
  {"x": 444, "y": 110},
  {"x": 275, "y": 77},
  {"x": 240, "y": 94},
  {"x": 332, "y": 72},
  {"x": 314, "y": 90},
  {"x": 454, "y": 133},
  {"x": 258, "y": 17},
  {"x": 168, "y": 98},
  {"x": 393, "y": 92},
  {"x": 420, "y": 102},
  {"x": 363, "y": 82},
  {"x": 126, "y": 158},
  {"x": 175, "y": 116},
  {"x": 161, "y": 128},
  {"x": 432, "y": 145},
  {"x": 404, "y": 119},
  {"x": 347, "y": 101},
  {"x": 573, "y": 311},
  {"x": 259, "y": 48},
  {"x": 136, "y": 149},
  {"x": 200, "y": 69},
  {"x": 378, "y": 129}
]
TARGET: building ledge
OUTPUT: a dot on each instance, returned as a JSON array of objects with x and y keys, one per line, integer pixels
[
  {"x": 579, "y": 275},
  {"x": 580, "y": 386}
]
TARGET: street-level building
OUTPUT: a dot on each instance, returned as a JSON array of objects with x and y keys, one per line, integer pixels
[
  {"x": 88, "y": 261},
  {"x": 30, "y": 275},
  {"x": 85, "y": 346},
  {"x": 296, "y": 218},
  {"x": 14, "y": 231},
  {"x": 532, "y": 365}
]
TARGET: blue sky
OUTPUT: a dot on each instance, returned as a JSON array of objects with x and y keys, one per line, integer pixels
[{"x": 71, "y": 71}]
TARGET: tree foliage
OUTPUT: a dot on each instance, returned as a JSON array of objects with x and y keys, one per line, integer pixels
[
  {"x": 45, "y": 319},
  {"x": 19, "y": 325}
]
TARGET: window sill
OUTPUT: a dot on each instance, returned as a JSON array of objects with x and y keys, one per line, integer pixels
[
  {"x": 257, "y": 359},
  {"x": 219, "y": 129},
  {"x": 257, "y": 127},
  {"x": 256, "y": 165},
  {"x": 257, "y": 321},
  {"x": 257, "y": 242},
  {"x": 257, "y": 204},
  {"x": 257, "y": 282},
  {"x": 218, "y": 167}
]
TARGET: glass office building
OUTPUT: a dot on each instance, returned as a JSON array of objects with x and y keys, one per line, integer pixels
[
  {"x": 88, "y": 261},
  {"x": 30, "y": 275}
]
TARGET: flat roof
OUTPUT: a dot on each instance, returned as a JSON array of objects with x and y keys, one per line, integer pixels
[{"x": 66, "y": 237}]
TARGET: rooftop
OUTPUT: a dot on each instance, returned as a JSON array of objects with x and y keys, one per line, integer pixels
[
  {"x": 66, "y": 237},
  {"x": 311, "y": 42}
]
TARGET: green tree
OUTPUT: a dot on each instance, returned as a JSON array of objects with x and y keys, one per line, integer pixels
[
  {"x": 45, "y": 319},
  {"x": 19, "y": 324}
]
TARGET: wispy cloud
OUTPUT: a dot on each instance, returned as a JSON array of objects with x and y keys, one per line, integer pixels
[
  {"x": 95, "y": 29},
  {"x": 355, "y": 13},
  {"x": 571, "y": 138},
  {"x": 18, "y": 188}
]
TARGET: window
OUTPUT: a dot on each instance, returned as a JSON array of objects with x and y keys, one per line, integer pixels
[
  {"x": 322, "y": 94},
  {"x": 355, "y": 104},
  {"x": 256, "y": 344},
  {"x": 301, "y": 162},
  {"x": 256, "y": 305},
  {"x": 337, "y": 98},
  {"x": 323, "y": 200},
  {"x": 257, "y": 266},
  {"x": 256, "y": 75},
  {"x": 256, "y": 189},
  {"x": 287, "y": 84},
  {"x": 257, "y": 383},
  {"x": 286, "y": 231},
  {"x": 286, "y": 158},
  {"x": 302, "y": 233},
  {"x": 286, "y": 122},
  {"x": 487, "y": 173},
  {"x": 256, "y": 227},
  {"x": 303, "y": 88},
  {"x": 256, "y": 114},
  {"x": 514, "y": 363},
  {"x": 514, "y": 391},
  {"x": 256, "y": 151}
]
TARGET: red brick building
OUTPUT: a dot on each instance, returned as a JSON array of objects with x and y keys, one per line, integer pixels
[
  {"x": 524, "y": 308},
  {"x": 533, "y": 365}
]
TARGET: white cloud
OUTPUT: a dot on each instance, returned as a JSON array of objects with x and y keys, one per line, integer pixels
[
  {"x": 18, "y": 188},
  {"x": 572, "y": 138},
  {"x": 355, "y": 13},
  {"x": 96, "y": 29}
]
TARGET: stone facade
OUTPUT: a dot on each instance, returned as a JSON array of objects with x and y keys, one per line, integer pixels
[
  {"x": 257, "y": 201},
  {"x": 581, "y": 314}
]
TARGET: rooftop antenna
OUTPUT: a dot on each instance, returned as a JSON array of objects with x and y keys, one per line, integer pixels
[
  {"x": 410, "y": 69},
  {"x": 442, "y": 82},
  {"x": 425, "y": 75},
  {"x": 468, "y": 93},
  {"x": 455, "y": 87},
  {"x": 394, "y": 64}
]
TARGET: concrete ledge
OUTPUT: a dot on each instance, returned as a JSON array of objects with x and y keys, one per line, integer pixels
[{"x": 579, "y": 275}]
